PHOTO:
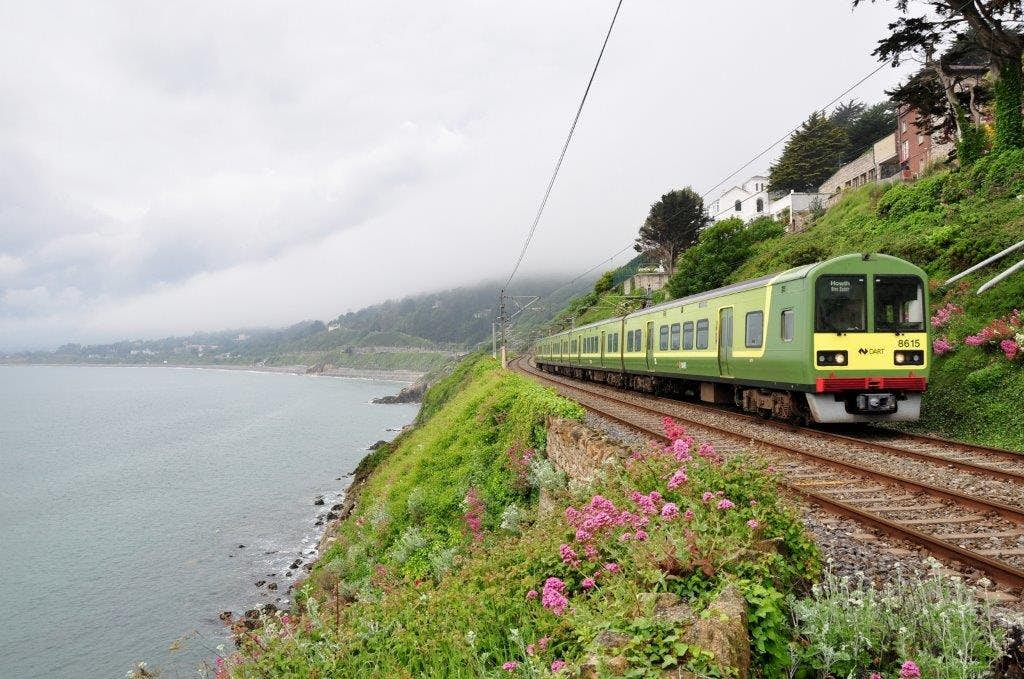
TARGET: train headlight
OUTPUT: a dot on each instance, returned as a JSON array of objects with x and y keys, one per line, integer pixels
[
  {"x": 831, "y": 358},
  {"x": 911, "y": 357}
]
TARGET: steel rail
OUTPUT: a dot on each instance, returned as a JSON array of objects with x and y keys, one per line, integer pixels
[
  {"x": 879, "y": 446},
  {"x": 1006, "y": 511},
  {"x": 1000, "y": 572}
]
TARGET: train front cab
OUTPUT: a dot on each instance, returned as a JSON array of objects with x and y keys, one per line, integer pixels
[{"x": 870, "y": 344}]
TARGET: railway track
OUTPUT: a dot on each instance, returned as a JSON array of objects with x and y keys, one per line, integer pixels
[{"x": 855, "y": 476}]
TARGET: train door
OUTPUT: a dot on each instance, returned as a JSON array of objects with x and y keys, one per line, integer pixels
[
  {"x": 725, "y": 342},
  {"x": 602, "y": 348},
  {"x": 650, "y": 345},
  {"x": 620, "y": 345}
]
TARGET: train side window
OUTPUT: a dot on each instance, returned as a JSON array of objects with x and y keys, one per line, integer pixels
[
  {"x": 702, "y": 333},
  {"x": 788, "y": 325},
  {"x": 573, "y": 347},
  {"x": 754, "y": 335},
  {"x": 629, "y": 341},
  {"x": 675, "y": 337},
  {"x": 663, "y": 338},
  {"x": 688, "y": 335}
]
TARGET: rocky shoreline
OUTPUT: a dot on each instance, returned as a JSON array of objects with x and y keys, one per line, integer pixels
[{"x": 326, "y": 523}]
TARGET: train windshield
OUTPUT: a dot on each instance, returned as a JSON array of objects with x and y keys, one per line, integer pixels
[
  {"x": 841, "y": 304},
  {"x": 899, "y": 304}
]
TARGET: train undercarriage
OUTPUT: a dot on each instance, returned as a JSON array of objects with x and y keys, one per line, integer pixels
[{"x": 791, "y": 406}]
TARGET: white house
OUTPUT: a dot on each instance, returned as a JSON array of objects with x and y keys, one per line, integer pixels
[
  {"x": 747, "y": 201},
  {"x": 794, "y": 208}
]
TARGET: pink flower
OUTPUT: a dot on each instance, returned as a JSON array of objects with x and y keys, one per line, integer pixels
[
  {"x": 646, "y": 503},
  {"x": 612, "y": 567},
  {"x": 670, "y": 510},
  {"x": 641, "y": 535},
  {"x": 626, "y": 537},
  {"x": 770, "y": 469},
  {"x": 532, "y": 594},
  {"x": 910, "y": 670},
  {"x": 591, "y": 551},
  {"x": 543, "y": 642},
  {"x": 1009, "y": 348},
  {"x": 753, "y": 523},
  {"x": 680, "y": 449},
  {"x": 556, "y": 665},
  {"x": 588, "y": 583},
  {"x": 688, "y": 515},
  {"x": 569, "y": 556},
  {"x": 725, "y": 504},
  {"x": 673, "y": 429},
  {"x": 707, "y": 451},
  {"x": 753, "y": 503},
  {"x": 941, "y": 346},
  {"x": 510, "y": 666},
  {"x": 875, "y": 675},
  {"x": 530, "y": 649},
  {"x": 677, "y": 479},
  {"x": 554, "y": 598},
  {"x": 708, "y": 496}
]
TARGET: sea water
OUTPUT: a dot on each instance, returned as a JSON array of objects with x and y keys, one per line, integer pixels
[{"x": 136, "y": 504}]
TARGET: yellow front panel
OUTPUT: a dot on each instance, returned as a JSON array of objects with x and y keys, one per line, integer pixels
[{"x": 870, "y": 351}]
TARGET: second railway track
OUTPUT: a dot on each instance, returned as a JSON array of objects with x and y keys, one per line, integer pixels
[{"x": 849, "y": 476}]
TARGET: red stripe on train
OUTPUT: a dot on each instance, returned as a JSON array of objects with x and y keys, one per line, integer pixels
[{"x": 830, "y": 384}]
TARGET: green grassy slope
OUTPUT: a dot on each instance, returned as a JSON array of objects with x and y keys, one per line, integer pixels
[{"x": 413, "y": 587}]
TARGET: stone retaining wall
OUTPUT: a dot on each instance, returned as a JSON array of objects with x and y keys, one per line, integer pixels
[{"x": 578, "y": 450}]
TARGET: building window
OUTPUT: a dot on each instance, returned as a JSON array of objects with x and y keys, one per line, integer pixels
[
  {"x": 738, "y": 205},
  {"x": 675, "y": 337},
  {"x": 702, "y": 333},
  {"x": 760, "y": 205},
  {"x": 905, "y": 150},
  {"x": 663, "y": 338},
  {"x": 788, "y": 325},
  {"x": 903, "y": 126},
  {"x": 754, "y": 336},
  {"x": 688, "y": 335}
]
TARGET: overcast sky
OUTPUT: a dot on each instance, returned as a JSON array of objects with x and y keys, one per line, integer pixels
[{"x": 168, "y": 167}]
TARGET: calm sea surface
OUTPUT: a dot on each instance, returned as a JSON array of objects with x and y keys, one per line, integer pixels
[{"x": 125, "y": 494}]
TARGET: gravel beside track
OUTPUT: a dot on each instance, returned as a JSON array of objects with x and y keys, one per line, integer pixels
[{"x": 969, "y": 518}]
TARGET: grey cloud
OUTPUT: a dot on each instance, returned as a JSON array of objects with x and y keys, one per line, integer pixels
[{"x": 163, "y": 165}]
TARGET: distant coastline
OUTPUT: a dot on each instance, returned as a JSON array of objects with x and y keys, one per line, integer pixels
[{"x": 408, "y": 376}]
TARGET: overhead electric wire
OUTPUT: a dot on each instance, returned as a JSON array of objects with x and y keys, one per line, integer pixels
[
  {"x": 759, "y": 155},
  {"x": 565, "y": 148},
  {"x": 756, "y": 157}
]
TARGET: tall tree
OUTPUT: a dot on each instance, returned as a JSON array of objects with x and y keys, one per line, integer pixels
[
  {"x": 874, "y": 123},
  {"x": 863, "y": 125},
  {"x": 947, "y": 87},
  {"x": 672, "y": 225},
  {"x": 998, "y": 28},
  {"x": 811, "y": 155}
]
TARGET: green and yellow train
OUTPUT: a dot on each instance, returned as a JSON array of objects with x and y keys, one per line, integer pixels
[{"x": 844, "y": 340}]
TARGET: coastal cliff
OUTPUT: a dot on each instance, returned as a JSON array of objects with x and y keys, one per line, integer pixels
[{"x": 443, "y": 565}]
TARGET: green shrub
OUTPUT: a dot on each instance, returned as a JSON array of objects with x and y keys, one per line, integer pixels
[{"x": 851, "y": 629}]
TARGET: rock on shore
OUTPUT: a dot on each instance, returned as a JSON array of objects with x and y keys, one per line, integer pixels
[{"x": 410, "y": 394}]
